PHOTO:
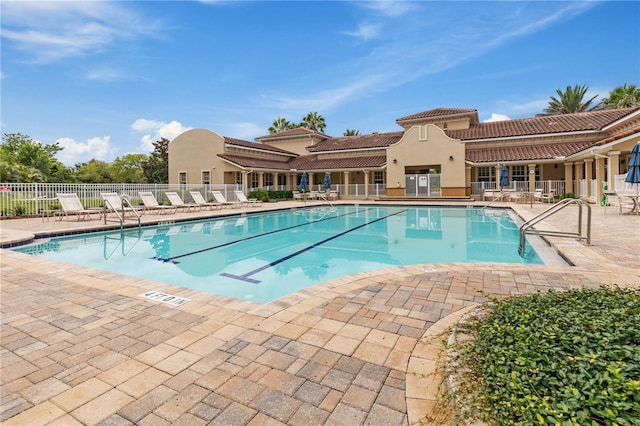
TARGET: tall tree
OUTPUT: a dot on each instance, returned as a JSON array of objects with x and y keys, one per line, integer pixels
[
  {"x": 279, "y": 124},
  {"x": 314, "y": 121},
  {"x": 623, "y": 97},
  {"x": 351, "y": 132},
  {"x": 570, "y": 101},
  {"x": 95, "y": 171},
  {"x": 25, "y": 154},
  {"x": 156, "y": 167},
  {"x": 128, "y": 169}
]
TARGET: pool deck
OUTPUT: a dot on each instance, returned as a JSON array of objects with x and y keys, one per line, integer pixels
[{"x": 82, "y": 347}]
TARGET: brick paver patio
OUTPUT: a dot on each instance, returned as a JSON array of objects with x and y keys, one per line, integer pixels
[{"x": 80, "y": 346}]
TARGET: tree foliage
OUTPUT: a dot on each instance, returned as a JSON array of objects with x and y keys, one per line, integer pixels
[
  {"x": 314, "y": 121},
  {"x": 280, "y": 124},
  {"x": 623, "y": 97},
  {"x": 94, "y": 171},
  {"x": 156, "y": 167},
  {"x": 26, "y": 160},
  {"x": 351, "y": 132},
  {"x": 128, "y": 169},
  {"x": 571, "y": 101}
]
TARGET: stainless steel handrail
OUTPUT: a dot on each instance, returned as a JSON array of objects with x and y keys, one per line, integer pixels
[
  {"x": 121, "y": 218},
  {"x": 527, "y": 227}
]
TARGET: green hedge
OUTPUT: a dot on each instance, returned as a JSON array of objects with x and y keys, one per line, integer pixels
[
  {"x": 264, "y": 195},
  {"x": 555, "y": 358}
]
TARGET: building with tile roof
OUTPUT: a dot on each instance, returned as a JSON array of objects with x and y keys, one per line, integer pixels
[{"x": 444, "y": 152}]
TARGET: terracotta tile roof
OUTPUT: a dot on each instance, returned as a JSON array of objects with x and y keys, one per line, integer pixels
[
  {"x": 438, "y": 112},
  {"x": 373, "y": 140},
  {"x": 579, "y": 122},
  {"x": 257, "y": 163},
  {"x": 307, "y": 162},
  {"x": 311, "y": 162},
  {"x": 524, "y": 152},
  {"x": 298, "y": 131},
  {"x": 255, "y": 145}
]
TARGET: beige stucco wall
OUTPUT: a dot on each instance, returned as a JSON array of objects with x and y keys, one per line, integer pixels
[
  {"x": 193, "y": 152},
  {"x": 424, "y": 146},
  {"x": 296, "y": 145}
]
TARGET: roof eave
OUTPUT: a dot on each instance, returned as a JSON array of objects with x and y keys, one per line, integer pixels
[{"x": 538, "y": 135}]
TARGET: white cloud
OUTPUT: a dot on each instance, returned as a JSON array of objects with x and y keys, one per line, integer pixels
[
  {"x": 497, "y": 117},
  {"x": 155, "y": 130},
  {"x": 48, "y": 31},
  {"x": 390, "y": 8},
  {"x": 74, "y": 152},
  {"x": 365, "y": 32}
]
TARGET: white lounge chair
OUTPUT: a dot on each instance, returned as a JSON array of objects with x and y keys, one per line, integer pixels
[
  {"x": 151, "y": 203},
  {"x": 199, "y": 199},
  {"x": 71, "y": 205},
  {"x": 220, "y": 199},
  {"x": 253, "y": 202},
  {"x": 112, "y": 201},
  {"x": 177, "y": 202}
]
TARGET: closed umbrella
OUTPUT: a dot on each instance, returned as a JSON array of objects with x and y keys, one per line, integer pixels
[
  {"x": 633, "y": 175},
  {"x": 327, "y": 181},
  {"x": 304, "y": 182},
  {"x": 504, "y": 176}
]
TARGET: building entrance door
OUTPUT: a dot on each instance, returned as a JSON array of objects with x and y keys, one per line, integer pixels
[{"x": 422, "y": 185}]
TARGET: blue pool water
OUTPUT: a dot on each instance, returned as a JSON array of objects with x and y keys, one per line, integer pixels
[{"x": 264, "y": 256}]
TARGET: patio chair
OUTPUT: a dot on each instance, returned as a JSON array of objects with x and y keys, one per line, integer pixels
[
  {"x": 253, "y": 202},
  {"x": 487, "y": 193},
  {"x": 177, "y": 202},
  {"x": 71, "y": 205},
  {"x": 548, "y": 197},
  {"x": 297, "y": 195},
  {"x": 199, "y": 199},
  {"x": 151, "y": 203},
  {"x": 112, "y": 201},
  {"x": 220, "y": 199}
]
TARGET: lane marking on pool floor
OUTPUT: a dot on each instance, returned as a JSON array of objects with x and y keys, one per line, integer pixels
[
  {"x": 245, "y": 277},
  {"x": 172, "y": 259}
]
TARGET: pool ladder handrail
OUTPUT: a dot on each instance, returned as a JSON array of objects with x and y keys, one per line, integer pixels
[
  {"x": 121, "y": 217},
  {"x": 527, "y": 227},
  {"x": 495, "y": 199}
]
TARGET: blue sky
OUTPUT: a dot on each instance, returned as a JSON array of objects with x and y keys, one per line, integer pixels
[{"x": 109, "y": 78}]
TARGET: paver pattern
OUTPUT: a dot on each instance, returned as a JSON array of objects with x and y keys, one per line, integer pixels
[{"x": 80, "y": 346}]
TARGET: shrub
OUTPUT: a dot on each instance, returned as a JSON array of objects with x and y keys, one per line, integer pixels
[{"x": 560, "y": 358}]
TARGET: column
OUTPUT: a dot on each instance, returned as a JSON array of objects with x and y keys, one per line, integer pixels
[
  {"x": 568, "y": 178},
  {"x": 613, "y": 168},
  {"x": 588, "y": 175},
  {"x": 579, "y": 165},
  {"x": 275, "y": 180},
  {"x": 346, "y": 181},
  {"x": 261, "y": 180},
  {"x": 366, "y": 184},
  {"x": 245, "y": 181},
  {"x": 497, "y": 167},
  {"x": 311, "y": 180},
  {"x": 601, "y": 179},
  {"x": 531, "y": 177},
  {"x": 467, "y": 180}
]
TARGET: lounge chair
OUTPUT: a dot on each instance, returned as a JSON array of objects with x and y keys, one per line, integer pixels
[
  {"x": 112, "y": 201},
  {"x": 151, "y": 203},
  {"x": 177, "y": 202},
  {"x": 548, "y": 197},
  {"x": 297, "y": 195},
  {"x": 199, "y": 200},
  {"x": 71, "y": 205},
  {"x": 220, "y": 199},
  {"x": 253, "y": 202}
]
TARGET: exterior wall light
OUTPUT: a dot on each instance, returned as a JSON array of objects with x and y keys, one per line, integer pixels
[
  {"x": 395, "y": 161},
  {"x": 451, "y": 158}
]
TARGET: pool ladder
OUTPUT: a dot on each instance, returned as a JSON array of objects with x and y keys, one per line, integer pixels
[
  {"x": 527, "y": 227},
  {"x": 120, "y": 214}
]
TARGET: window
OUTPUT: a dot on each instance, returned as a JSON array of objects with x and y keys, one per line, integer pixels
[
  {"x": 183, "y": 180},
  {"x": 254, "y": 180},
  {"x": 378, "y": 177},
  {"x": 282, "y": 180},
  {"x": 238, "y": 178},
  {"x": 486, "y": 174},
  {"x": 268, "y": 179},
  {"x": 518, "y": 173},
  {"x": 206, "y": 177}
]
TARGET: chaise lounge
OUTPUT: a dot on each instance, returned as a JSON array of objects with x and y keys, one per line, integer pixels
[{"x": 71, "y": 205}]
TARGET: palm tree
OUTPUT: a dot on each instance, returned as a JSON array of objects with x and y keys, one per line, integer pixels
[
  {"x": 623, "y": 97},
  {"x": 279, "y": 124},
  {"x": 570, "y": 101},
  {"x": 351, "y": 132},
  {"x": 314, "y": 121}
]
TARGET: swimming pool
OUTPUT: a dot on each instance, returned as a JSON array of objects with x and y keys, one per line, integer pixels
[{"x": 264, "y": 256}]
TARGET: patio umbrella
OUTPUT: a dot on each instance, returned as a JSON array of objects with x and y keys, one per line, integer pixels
[
  {"x": 633, "y": 175},
  {"x": 504, "y": 176},
  {"x": 327, "y": 181},
  {"x": 304, "y": 182}
]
